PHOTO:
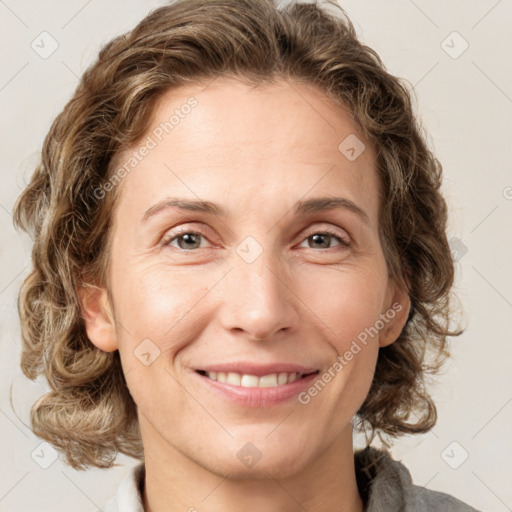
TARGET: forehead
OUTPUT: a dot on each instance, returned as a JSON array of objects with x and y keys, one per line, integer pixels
[{"x": 258, "y": 144}]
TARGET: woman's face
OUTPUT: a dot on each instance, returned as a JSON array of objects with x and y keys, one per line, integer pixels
[{"x": 271, "y": 283}]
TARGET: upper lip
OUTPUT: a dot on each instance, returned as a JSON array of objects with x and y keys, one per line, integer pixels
[{"x": 258, "y": 370}]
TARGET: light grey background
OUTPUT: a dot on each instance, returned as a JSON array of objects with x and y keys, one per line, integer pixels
[{"x": 465, "y": 102}]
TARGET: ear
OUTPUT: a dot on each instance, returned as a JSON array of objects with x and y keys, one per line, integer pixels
[
  {"x": 398, "y": 306},
  {"x": 97, "y": 314}
]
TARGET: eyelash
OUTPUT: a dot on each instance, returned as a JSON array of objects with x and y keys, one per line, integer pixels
[{"x": 174, "y": 236}]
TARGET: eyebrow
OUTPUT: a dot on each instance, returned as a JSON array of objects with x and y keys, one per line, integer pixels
[{"x": 315, "y": 205}]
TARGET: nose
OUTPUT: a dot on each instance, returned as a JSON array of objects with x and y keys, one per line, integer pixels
[{"x": 259, "y": 302}]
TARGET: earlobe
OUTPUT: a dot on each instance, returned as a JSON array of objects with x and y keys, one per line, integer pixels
[
  {"x": 97, "y": 314},
  {"x": 397, "y": 314}
]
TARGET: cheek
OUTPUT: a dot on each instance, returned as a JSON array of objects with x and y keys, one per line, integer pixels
[
  {"x": 158, "y": 312},
  {"x": 347, "y": 302},
  {"x": 154, "y": 301}
]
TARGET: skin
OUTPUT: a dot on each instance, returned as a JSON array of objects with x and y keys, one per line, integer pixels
[{"x": 255, "y": 152}]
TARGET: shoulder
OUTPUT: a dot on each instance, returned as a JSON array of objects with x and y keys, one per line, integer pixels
[
  {"x": 128, "y": 497},
  {"x": 385, "y": 484}
]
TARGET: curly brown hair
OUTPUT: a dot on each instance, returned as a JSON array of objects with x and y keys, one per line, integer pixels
[{"x": 89, "y": 414}]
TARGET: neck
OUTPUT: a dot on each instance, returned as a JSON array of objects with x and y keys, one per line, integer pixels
[{"x": 175, "y": 482}]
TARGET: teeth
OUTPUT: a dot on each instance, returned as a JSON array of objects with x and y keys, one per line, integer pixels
[
  {"x": 249, "y": 381},
  {"x": 268, "y": 381},
  {"x": 282, "y": 379},
  {"x": 252, "y": 381},
  {"x": 233, "y": 379}
]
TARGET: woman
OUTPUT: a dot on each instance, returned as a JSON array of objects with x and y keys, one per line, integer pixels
[{"x": 180, "y": 306}]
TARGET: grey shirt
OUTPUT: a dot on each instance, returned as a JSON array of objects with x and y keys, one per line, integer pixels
[{"x": 385, "y": 485}]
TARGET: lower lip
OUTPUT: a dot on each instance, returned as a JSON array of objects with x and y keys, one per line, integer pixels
[{"x": 255, "y": 396}]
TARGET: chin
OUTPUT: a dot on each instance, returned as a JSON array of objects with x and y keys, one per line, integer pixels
[{"x": 249, "y": 462}]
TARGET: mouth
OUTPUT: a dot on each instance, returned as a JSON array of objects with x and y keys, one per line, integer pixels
[{"x": 243, "y": 380}]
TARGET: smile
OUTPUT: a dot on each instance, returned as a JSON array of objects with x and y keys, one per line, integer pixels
[
  {"x": 253, "y": 381},
  {"x": 249, "y": 390}
]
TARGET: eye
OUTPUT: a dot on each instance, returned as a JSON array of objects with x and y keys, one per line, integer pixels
[
  {"x": 190, "y": 240},
  {"x": 324, "y": 239},
  {"x": 187, "y": 240}
]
